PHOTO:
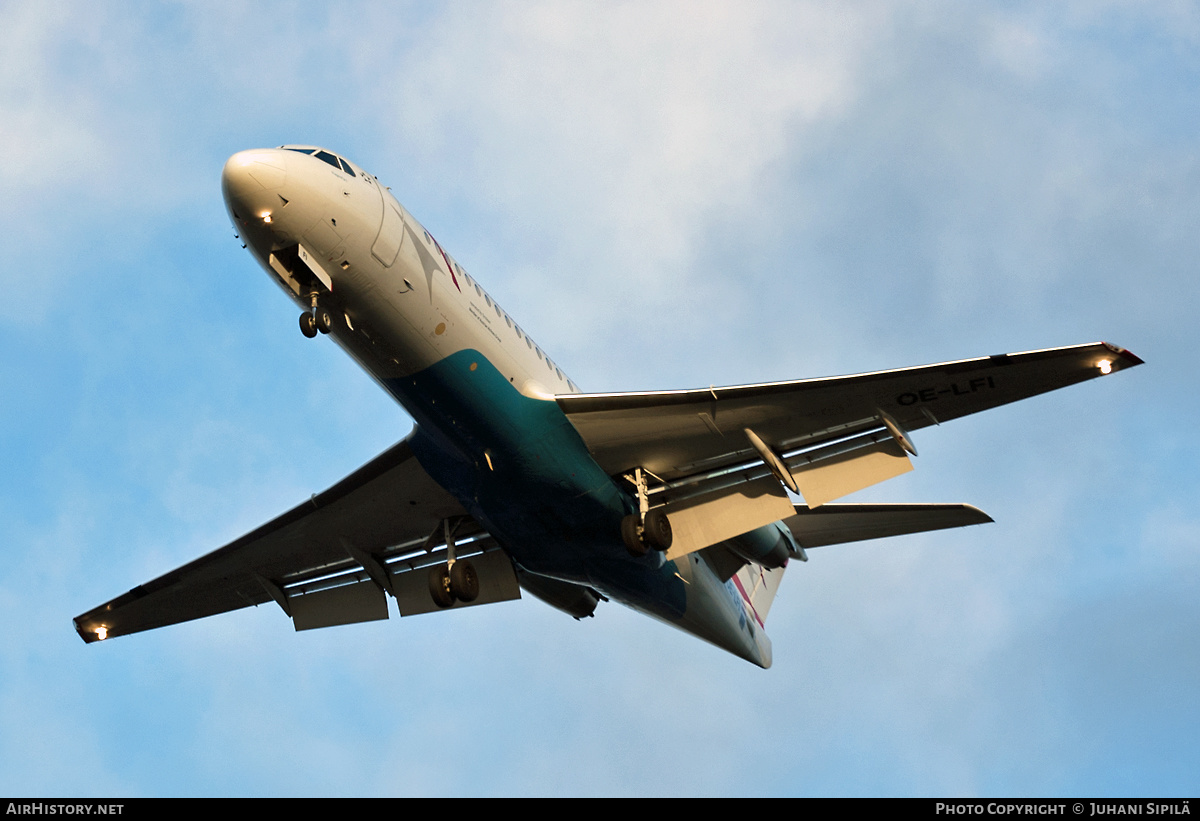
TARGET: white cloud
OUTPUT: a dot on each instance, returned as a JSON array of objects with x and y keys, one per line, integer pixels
[{"x": 613, "y": 138}]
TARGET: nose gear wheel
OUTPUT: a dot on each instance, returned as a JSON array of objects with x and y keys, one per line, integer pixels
[
  {"x": 324, "y": 320},
  {"x": 308, "y": 325},
  {"x": 317, "y": 319}
]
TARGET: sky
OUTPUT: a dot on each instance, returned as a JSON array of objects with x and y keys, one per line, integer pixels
[{"x": 665, "y": 195}]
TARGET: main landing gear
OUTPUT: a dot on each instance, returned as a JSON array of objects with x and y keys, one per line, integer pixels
[
  {"x": 649, "y": 528},
  {"x": 456, "y": 580},
  {"x": 318, "y": 319},
  {"x": 653, "y": 533}
]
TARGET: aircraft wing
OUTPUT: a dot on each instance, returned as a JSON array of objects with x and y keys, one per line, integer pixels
[
  {"x": 326, "y": 561},
  {"x": 716, "y": 461},
  {"x": 677, "y": 434}
]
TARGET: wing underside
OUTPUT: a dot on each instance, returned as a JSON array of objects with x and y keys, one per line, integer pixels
[
  {"x": 719, "y": 462},
  {"x": 329, "y": 560},
  {"x": 680, "y": 434}
]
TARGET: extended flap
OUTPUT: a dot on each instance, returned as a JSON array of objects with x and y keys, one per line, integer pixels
[
  {"x": 497, "y": 582},
  {"x": 837, "y": 476},
  {"x": 347, "y": 604},
  {"x": 706, "y": 520}
]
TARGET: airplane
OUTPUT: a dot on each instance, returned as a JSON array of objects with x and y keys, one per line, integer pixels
[{"x": 677, "y": 503}]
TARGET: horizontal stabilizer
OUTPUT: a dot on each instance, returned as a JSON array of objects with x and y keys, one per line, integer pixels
[{"x": 835, "y": 524}]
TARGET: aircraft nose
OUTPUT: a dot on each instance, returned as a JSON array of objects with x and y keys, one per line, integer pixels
[{"x": 248, "y": 173}]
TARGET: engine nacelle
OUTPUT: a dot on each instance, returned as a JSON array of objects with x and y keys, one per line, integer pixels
[
  {"x": 577, "y": 601},
  {"x": 770, "y": 545}
]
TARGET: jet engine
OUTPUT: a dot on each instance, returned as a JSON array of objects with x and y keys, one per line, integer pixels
[
  {"x": 577, "y": 601},
  {"x": 770, "y": 545}
]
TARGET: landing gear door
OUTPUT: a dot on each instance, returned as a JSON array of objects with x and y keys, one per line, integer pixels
[
  {"x": 497, "y": 582},
  {"x": 314, "y": 266}
]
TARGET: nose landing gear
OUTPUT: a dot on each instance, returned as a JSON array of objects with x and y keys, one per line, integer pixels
[{"x": 318, "y": 319}]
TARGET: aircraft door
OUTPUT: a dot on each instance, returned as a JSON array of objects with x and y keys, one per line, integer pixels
[
  {"x": 391, "y": 229},
  {"x": 391, "y": 232}
]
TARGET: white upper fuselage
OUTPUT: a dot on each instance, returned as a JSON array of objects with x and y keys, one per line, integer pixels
[{"x": 402, "y": 303}]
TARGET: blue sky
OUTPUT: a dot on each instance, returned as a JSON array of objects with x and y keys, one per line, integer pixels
[{"x": 665, "y": 195}]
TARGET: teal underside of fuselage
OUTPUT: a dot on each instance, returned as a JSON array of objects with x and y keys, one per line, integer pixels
[{"x": 521, "y": 469}]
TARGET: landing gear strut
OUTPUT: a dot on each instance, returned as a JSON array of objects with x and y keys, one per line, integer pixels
[{"x": 648, "y": 528}]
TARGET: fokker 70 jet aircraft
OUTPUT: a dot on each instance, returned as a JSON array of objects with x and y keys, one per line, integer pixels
[{"x": 675, "y": 503}]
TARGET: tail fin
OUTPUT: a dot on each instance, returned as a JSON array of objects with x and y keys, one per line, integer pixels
[
  {"x": 758, "y": 585},
  {"x": 755, "y": 562}
]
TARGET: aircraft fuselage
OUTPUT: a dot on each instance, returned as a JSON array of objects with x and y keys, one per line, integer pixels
[{"x": 479, "y": 389}]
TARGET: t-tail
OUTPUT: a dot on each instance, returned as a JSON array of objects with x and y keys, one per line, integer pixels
[{"x": 731, "y": 586}]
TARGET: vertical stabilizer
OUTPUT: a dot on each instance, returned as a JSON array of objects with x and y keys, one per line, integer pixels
[{"x": 758, "y": 585}]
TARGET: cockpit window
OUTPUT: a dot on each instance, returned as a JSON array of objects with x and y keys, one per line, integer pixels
[{"x": 325, "y": 156}]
